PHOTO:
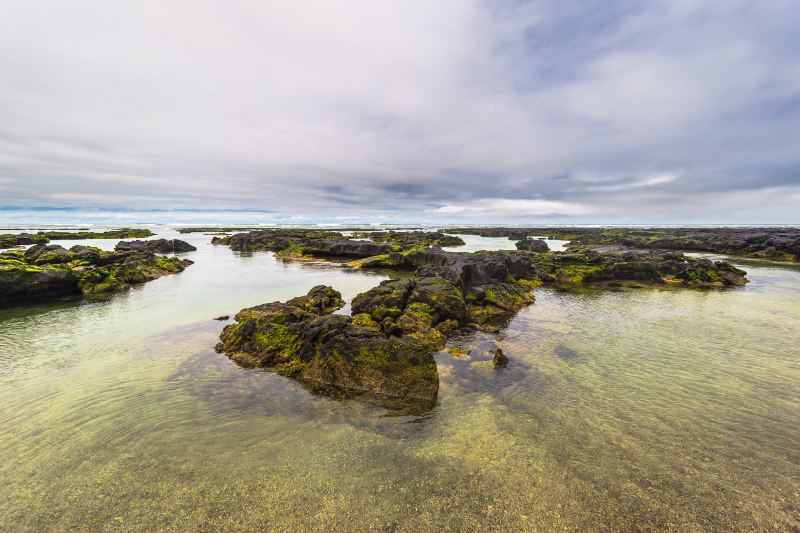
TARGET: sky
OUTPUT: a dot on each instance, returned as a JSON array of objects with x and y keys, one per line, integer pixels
[{"x": 463, "y": 111}]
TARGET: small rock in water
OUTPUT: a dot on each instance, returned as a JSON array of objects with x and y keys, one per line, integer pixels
[
  {"x": 223, "y": 317},
  {"x": 499, "y": 359}
]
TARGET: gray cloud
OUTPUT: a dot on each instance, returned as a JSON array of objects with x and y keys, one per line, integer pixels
[{"x": 665, "y": 111}]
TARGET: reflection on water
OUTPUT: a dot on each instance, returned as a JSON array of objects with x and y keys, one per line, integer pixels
[{"x": 656, "y": 409}]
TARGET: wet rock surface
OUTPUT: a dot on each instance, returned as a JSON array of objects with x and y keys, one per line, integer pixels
[
  {"x": 50, "y": 271},
  {"x": 335, "y": 354},
  {"x": 160, "y": 246}
]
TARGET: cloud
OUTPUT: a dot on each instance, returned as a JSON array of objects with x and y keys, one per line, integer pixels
[
  {"x": 385, "y": 109},
  {"x": 514, "y": 208}
]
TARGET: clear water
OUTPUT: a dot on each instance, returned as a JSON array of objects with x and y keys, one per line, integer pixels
[{"x": 636, "y": 409}]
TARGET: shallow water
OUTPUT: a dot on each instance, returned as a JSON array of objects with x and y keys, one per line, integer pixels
[
  {"x": 650, "y": 409},
  {"x": 475, "y": 243}
]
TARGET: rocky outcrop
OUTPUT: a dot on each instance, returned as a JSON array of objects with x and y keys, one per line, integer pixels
[
  {"x": 769, "y": 243},
  {"x": 51, "y": 271},
  {"x": 586, "y": 265},
  {"x": 159, "y": 246},
  {"x": 532, "y": 245},
  {"x": 412, "y": 239},
  {"x": 273, "y": 240},
  {"x": 499, "y": 271},
  {"x": 385, "y": 350},
  {"x": 335, "y": 354},
  {"x": 341, "y": 248},
  {"x": 9, "y": 240},
  {"x": 299, "y": 243}
]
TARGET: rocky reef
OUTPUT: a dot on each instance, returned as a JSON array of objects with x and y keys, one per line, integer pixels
[
  {"x": 50, "y": 271},
  {"x": 577, "y": 266},
  {"x": 334, "y": 354},
  {"x": 303, "y": 243},
  {"x": 384, "y": 350},
  {"x": 768, "y": 243},
  {"x": 9, "y": 240},
  {"x": 160, "y": 246},
  {"x": 411, "y": 239}
]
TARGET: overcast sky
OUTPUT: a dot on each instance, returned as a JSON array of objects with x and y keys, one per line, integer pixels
[{"x": 382, "y": 110}]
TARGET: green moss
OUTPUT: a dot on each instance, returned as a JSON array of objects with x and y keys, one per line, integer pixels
[
  {"x": 276, "y": 339},
  {"x": 457, "y": 351},
  {"x": 364, "y": 320},
  {"x": 291, "y": 368}
]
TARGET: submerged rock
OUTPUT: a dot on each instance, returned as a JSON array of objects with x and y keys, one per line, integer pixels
[
  {"x": 335, "y": 354},
  {"x": 51, "y": 271},
  {"x": 499, "y": 359},
  {"x": 160, "y": 246}
]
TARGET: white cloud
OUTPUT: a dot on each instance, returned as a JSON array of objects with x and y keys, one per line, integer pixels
[
  {"x": 368, "y": 107},
  {"x": 514, "y": 208}
]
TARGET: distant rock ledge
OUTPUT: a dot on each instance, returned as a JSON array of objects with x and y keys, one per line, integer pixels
[{"x": 46, "y": 272}]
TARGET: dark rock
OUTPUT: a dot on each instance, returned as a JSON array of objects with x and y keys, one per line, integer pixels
[
  {"x": 334, "y": 354},
  {"x": 223, "y": 318},
  {"x": 532, "y": 245},
  {"x": 499, "y": 359},
  {"x": 10, "y": 240},
  {"x": 50, "y": 271},
  {"x": 343, "y": 248},
  {"x": 412, "y": 239},
  {"x": 160, "y": 246},
  {"x": 770, "y": 243},
  {"x": 299, "y": 243}
]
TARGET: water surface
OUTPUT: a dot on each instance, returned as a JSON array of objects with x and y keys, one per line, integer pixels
[{"x": 650, "y": 409}]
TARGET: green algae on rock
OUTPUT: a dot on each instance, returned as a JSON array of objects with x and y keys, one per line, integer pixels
[
  {"x": 9, "y": 240},
  {"x": 335, "y": 354},
  {"x": 50, "y": 271},
  {"x": 160, "y": 246},
  {"x": 302, "y": 244},
  {"x": 767, "y": 243},
  {"x": 411, "y": 239}
]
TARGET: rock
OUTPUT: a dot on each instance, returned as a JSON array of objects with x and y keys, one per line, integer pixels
[
  {"x": 10, "y": 240},
  {"x": 50, "y": 271},
  {"x": 771, "y": 243},
  {"x": 343, "y": 248},
  {"x": 334, "y": 354},
  {"x": 223, "y": 318},
  {"x": 532, "y": 245},
  {"x": 499, "y": 359},
  {"x": 586, "y": 265},
  {"x": 160, "y": 246},
  {"x": 299, "y": 243},
  {"x": 407, "y": 240}
]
